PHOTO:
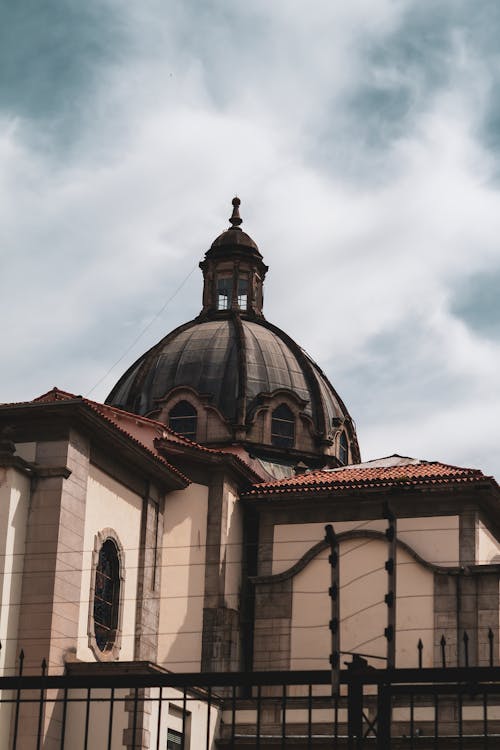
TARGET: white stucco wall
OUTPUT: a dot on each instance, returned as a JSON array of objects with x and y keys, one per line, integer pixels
[
  {"x": 14, "y": 503},
  {"x": 183, "y": 579},
  {"x": 234, "y": 540},
  {"x": 363, "y": 613},
  {"x": 111, "y": 505},
  {"x": 487, "y": 547}
]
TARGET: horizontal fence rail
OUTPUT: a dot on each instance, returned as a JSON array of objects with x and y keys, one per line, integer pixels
[{"x": 138, "y": 706}]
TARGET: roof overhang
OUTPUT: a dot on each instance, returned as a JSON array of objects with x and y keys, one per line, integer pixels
[{"x": 34, "y": 421}]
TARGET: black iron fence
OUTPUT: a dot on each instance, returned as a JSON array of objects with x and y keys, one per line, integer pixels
[{"x": 137, "y": 706}]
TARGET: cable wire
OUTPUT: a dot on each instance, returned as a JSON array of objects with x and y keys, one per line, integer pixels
[{"x": 141, "y": 334}]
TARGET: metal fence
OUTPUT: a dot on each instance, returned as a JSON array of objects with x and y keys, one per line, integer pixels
[{"x": 140, "y": 707}]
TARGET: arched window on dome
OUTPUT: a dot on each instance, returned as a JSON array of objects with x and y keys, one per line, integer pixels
[
  {"x": 282, "y": 427},
  {"x": 343, "y": 449},
  {"x": 183, "y": 418},
  {"x": 106, "y": 596}
]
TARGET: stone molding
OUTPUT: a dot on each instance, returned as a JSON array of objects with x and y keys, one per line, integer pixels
[
  {"x": 113, "y": 653},
  {"x": 319, "y": 547}
]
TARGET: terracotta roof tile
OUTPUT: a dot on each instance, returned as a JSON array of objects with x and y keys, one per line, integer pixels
[
  {"x": 139, "y": 430},
  {"x": 365, "y": 476},
  {"x": 143, "y": 430}
]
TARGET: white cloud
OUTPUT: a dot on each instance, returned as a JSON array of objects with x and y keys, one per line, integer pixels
[{"x": 365, "y": 240}]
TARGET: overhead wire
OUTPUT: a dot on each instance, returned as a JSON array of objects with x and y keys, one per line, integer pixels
[{"x": 143, "y": 331}]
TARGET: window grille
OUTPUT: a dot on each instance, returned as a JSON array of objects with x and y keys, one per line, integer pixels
[{"x": 174, "y": 739}]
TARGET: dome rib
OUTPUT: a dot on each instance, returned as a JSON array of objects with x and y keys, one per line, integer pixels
[
  {"x": 241, "y": 399},
  {"x": 304, "y": 361},
  {"x": 232, "y": 359}
]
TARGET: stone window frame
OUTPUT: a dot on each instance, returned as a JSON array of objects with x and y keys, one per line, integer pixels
[{"x": 112, "y": 653}]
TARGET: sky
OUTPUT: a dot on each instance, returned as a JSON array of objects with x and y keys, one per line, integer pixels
[{"x": 363, "y": 139}]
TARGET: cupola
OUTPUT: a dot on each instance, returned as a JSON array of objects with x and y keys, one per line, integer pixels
[{"x": 233, "y": 272}]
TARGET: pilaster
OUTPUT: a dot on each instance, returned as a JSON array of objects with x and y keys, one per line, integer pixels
[{"x": 51, "y": 587}]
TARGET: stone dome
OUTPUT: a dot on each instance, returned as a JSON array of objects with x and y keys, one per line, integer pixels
[{"x": 236, "y": 371}]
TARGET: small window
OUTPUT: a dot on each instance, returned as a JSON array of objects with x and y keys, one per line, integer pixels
[
  {"x": 282, "y": 427},
  {"x": 183, "y": 418},
  {"x": 106, "y": 596},
  {"x": 224, "y": 292},
  {"x": 243, "y": 292},
  {"x": 343, "y": 449},
  {"x": 174, "y": 739}
]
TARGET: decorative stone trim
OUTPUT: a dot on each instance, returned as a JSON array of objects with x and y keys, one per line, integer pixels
[
  {"x": 113, "y": 653},
  {"x": 316, "y": 549}
]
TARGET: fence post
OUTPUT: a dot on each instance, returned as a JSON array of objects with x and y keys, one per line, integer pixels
[
  {"x": 334, "y": 592},
  {"x": 355, "y": 712},
  {"x": 383, "y": 717},
  {"x": 391, "y": 596}
]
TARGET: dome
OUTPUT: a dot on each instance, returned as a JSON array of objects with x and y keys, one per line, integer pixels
[
  {"x": 238, "y": 377},
  {"x": 226, "y": 362},
  {"x": 235, "y": 236}
]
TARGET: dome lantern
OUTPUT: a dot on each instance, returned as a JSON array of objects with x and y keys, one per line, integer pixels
[{"x": 233, "y": 272}]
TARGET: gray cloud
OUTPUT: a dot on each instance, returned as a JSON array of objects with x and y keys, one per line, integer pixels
[
  {"x": 50, "y": 57},
  {"x": 477, "y": 302},
  {"x": 361, "y": 138}
]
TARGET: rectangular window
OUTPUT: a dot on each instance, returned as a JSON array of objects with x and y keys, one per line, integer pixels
[
  {"x": 243, "y": 292},
  {"x": 224, "y": 290}
]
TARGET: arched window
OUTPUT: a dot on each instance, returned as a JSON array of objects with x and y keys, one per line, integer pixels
[
  {"x": 183, "y": 418},
  {"x": 343, "y": 449},
  {"x": 282, "y": 427},
  {"x": 106, "y": 596}
]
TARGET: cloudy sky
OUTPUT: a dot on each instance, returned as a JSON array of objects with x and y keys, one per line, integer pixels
[{"x": 363, "y": 139}]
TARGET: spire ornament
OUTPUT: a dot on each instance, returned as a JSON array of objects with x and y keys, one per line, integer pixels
[{"x": 236, "y": 219}]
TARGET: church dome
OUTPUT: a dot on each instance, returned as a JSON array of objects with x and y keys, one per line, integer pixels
[{"x": 231, "y": 376}]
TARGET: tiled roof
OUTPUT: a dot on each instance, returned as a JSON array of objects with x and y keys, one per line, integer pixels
[
  {"x": 140, "y": 430},
  {"x": 147, "y": 432},
  {"x": 364, "y": 476}
]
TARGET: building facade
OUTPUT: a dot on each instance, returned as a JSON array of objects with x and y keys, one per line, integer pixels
[{"x": 180, "y": 526}]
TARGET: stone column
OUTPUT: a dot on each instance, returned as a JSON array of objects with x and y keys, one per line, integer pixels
[{"x": 220, "y": 641}]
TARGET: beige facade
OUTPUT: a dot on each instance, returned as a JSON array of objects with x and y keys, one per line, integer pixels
[
  {"x": 111, "y": 511},
  {"x": 212, "y": 575},
  {"x": 183, "y": 579},
  {"x": 14, "y": 504}
]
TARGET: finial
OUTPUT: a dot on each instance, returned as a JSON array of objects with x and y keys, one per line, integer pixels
[{"x": 236, "y": 219}]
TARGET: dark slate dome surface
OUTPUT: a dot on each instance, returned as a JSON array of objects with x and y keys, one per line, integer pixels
[
  {"x": 213, "y": 357},
  {"x": 235, "y": 237}
]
